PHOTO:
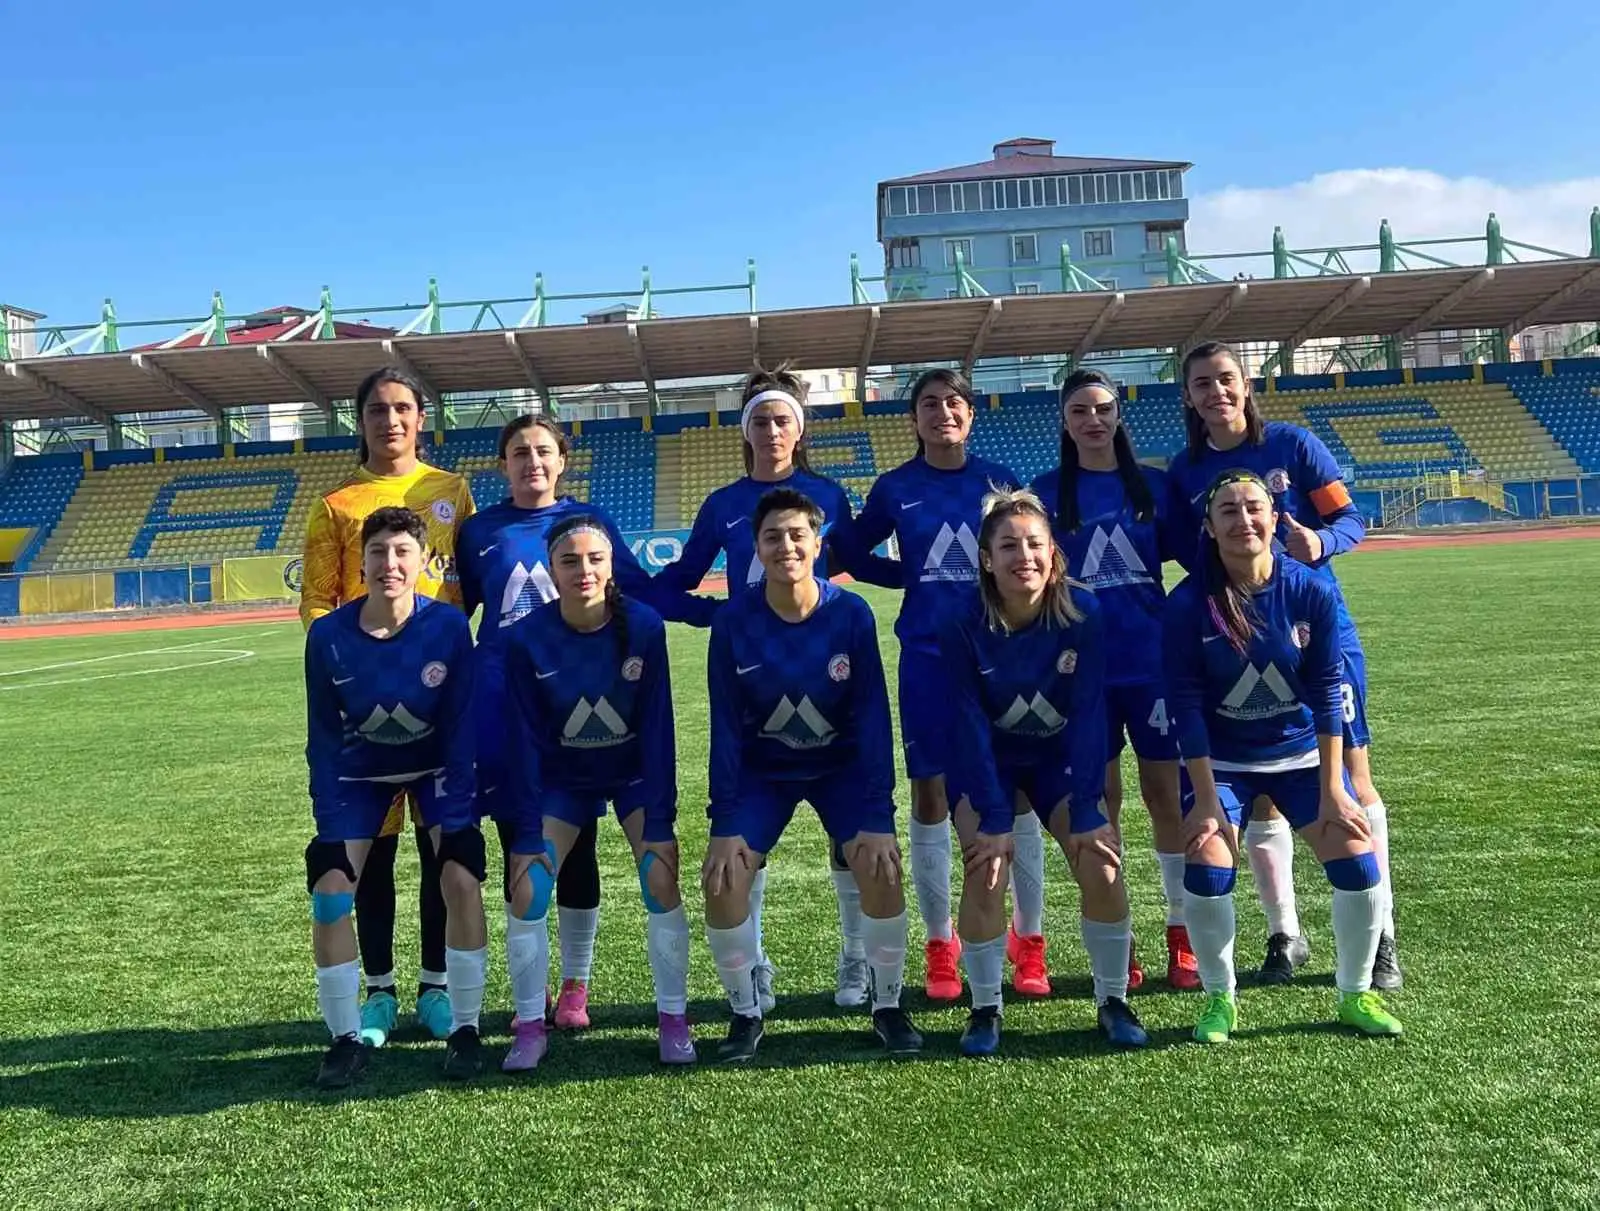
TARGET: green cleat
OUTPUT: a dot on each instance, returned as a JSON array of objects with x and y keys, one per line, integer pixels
[
  {"x": 1218, "y": 1019},
  {"x": 379, "y": 1013},
  {"x": 1367, "y": 1013}
]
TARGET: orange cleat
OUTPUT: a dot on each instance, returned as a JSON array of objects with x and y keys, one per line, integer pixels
[
  {"x": 1135, "y": 972},
  {"x": 1183, "y": 970},
  {"x": 944, "y": 977},
  {"x": 1026, "y": 953}
]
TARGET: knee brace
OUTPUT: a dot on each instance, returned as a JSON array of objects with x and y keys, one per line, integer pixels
[
  {"x": 325, "y": 857},
  {"x": 465, "y": 848},
  {"x": 1209, "y": 880},
  {"x": 1353, "y": 874},
  {"x": 542, "y": 883},
  {"x": 651, "y": 904}
]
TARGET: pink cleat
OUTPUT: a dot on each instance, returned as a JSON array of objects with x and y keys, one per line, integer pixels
[
  {"x": 677, "y": 1044},
  {"x": 572, "y": 1006},
  {"x": 529, "y": 1042}
]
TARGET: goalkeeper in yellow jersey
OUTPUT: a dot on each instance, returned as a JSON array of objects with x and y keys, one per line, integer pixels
[{"x": 391, "y": 413}]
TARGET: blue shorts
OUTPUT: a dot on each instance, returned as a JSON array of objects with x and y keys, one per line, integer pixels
[
  {"x": 765, "y": 809},
  {"x": 363, "y": 808},
  {"x": 1140, "y": 710},
  {"x": 924, "y": 713},
  {"x": 1353, "y": 699},
  {"x": 1045, "y": 786},
  {"x": 1297, "y": 793}
]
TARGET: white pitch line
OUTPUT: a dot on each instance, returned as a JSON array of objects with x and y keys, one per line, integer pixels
[
  {"x": 72, "y": 664},
  {"x": 227, "y": 656}
]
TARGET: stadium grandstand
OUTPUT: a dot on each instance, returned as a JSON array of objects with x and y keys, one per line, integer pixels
[{"x": 131, "y": 479}]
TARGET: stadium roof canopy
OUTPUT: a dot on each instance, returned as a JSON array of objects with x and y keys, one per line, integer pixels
[{"x": 1293, "y": 310}]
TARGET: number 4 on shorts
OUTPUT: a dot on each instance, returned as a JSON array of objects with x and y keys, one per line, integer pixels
[{"x": 1158, "y": 716}]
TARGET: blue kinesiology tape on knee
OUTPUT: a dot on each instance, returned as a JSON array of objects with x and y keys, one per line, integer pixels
[
  {"x": 331, "y": 907},
  {"x": 651, "y": 904},
  {"x": 1208, "y": 880},
  {"x": 1353, "y": 874},
  {"x": 542, "y": 884}
]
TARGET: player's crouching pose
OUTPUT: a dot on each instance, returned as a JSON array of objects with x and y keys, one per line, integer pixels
[
  {"x": 1027, "y": 666},
  {"x": 591, "y": 721},
  {"x": 388, "y": 688},
  {"x": 1253, "y": 669},
  {"x": 799, "y": 710}
]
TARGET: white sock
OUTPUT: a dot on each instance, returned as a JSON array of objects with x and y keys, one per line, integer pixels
[
  {"x": 1271, "y": 847},
  {"x": 758, "y": 899},
  {"x": 667, "y": 942},
  {"x": 339, "y": 997},
  {"x": 1172, "y": 885},
  {"x": 1211, "y": 925},
  {"x": 985, "y": 962},
  {"x": 432, "y": 977},
  {"x": 885, "y": 942},
  {"x": 1378, "y": 821},
  {"x": 1357, "y": 922},
  {"x": 930, "y": 875},
  {"x": 466, "y": 972},
  {"x": 383, "y": 983},
  {"x": 528, "y": 964},
  {"x": 850, "y": 920},
  {"x": 734, "y": 951},
  {"x": 1108, "y": 944},
  {"x": 577, "y": 927},
  {"x": 1027, "y": 875}
]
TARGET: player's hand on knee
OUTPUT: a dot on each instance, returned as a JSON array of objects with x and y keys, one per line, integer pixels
[
  {"x": 1100, "y": 845},
  {"x": 728, "y": 860},
  {"x": 984, "y": 857},
  {"x": 878, "y": 854},
  {"x": 1205, "y": 823},
  {"x": 1340, "y": 818}
]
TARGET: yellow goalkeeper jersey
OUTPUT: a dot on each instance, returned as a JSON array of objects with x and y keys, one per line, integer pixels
[{"x": 331, "y": 572}]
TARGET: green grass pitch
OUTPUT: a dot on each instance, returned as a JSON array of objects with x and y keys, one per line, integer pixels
[{"x": 159, "y": 1031}]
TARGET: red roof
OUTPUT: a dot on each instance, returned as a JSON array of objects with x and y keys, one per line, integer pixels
[
  {"x": 1029, "y": 165},
  {"x": 273, "y": 324}
]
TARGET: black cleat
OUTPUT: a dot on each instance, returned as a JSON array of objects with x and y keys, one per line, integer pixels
[
  {"x": 744, "y": 1036},
  {"x": 343, "y": 1064},
  {"x": 981, "y": 1038},
  {"x": 1386, "y": 974},
  {"x": 1285, "y": 956},
  {"x": 1120, "y": 1025},
  {"x": 463, "y": 1055},
  {"x": 893, "y": 1026}
]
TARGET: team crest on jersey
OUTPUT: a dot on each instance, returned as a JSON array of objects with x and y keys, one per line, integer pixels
[
  {"x": 294, "y": 575},
  {"x": 1067, "y": 662},
  {"x": 1277, "y": 480},
  {"x": 1301, "y": 634},
  {"x": 839, "y": 667},
  {"x": 434, "y": 673},
  {"x": 444, "y": 512},
  {"x": 632, "y": 668}
]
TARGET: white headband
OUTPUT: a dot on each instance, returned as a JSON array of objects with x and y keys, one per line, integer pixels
[
  {"x": 584, "y": 528},
  {"x": 771, "y": 397}
]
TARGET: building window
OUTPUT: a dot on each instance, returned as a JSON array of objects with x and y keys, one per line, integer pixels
[
  {"x": 1108, "y": 283},
  {"x": 952, "y": 293},
  {"x": 1155, "y": 237},
  {"x": 950, "y": 247},
  {"x": 1174, "y": 184},
  {"x": 1051, "y": 191},
  {"x": 970, "y": 197},
  {"x": 905, "y": 254},
  {"x": 1097, "y": 241},
  {"x": 1024, "y": 248},
  {"x": 1027, "y": 287}
]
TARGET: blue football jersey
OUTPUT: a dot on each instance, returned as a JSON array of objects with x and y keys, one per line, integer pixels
[
  {"x": 390, "y": 710},
  {"x": 797, "y": 701},
  {"x": 1025, "y": 699},
  {"x": 1305, "y": 483},
  {"x": 725, "y": 523},
  {"x": 1264, "y": 709},
  {"x": 934, "y": 515},
  {"x": 1119, "y": 557},
  {"x": 590, "y": 717}
]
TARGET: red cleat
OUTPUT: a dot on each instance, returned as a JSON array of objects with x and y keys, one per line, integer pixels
[
  {"x": 944, "y": 977},
  {"x": 1183, "y": 969},
  {"x": 1135, "y": 972},
  {"x": 572, "y": 1006},
  {"x": 1029, "y": 978}
]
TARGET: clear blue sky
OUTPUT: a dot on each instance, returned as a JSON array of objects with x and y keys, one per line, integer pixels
[{"x": 242, "y": 148}]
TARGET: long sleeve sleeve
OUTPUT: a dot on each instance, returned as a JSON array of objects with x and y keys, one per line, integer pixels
[
  {"x": 874, "y": 732},
  {"x": 450, "y": 586},
  {"x": 1342, "y": 527},
  {"x": 321, "y": 574},
  {"x": 324, "y": 728},
  {"x": 659, "y": 757},
  {"x": 458, "y": 782},
  {"x": 971, "y": 753},
  {"x": 659, "y": 592},
  {"x": 468, "y": 574},
  {"x": 854, "y": 539},
  {"x": 523, "y": 725},
  {"x": 722, "y": 684},
  {"x": 1184, "y": 667},
  {"x": 869, "y": 568},
  {"x": 1181, "y": 529},
  {"x": 684, "y": 574},
  {"x": 1322, "y": 664},
  {"x": 1086, "y": 745}
]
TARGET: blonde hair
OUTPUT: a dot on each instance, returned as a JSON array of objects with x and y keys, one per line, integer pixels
[{"x": 1000, "y": 506}]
